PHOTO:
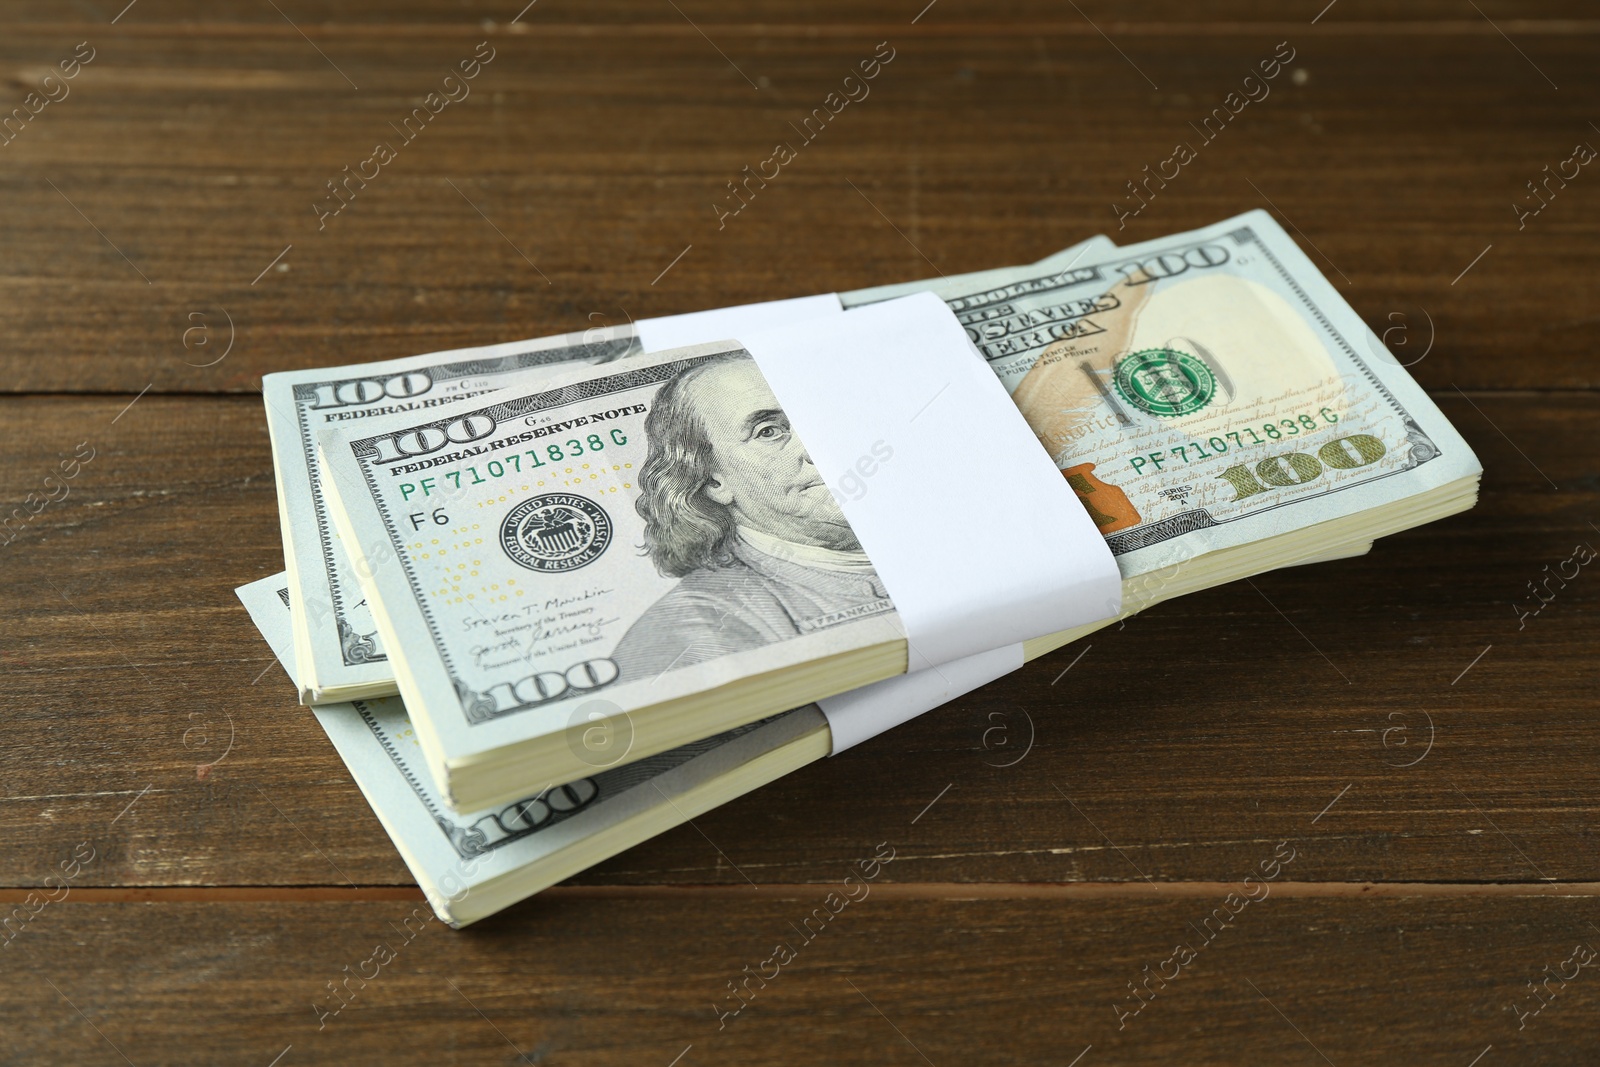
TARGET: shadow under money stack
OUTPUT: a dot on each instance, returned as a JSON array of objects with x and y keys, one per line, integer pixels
[{"x": 1213, "y": 403}]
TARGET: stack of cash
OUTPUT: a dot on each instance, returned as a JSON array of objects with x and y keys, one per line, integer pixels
[{"x": 1217, "y": 408}]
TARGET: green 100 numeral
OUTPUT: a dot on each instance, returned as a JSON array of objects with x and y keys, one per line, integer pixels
[{"x": 1298, "y": 468}]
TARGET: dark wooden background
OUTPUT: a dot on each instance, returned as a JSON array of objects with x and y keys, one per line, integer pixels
[{"x": 1430, "y": 757}]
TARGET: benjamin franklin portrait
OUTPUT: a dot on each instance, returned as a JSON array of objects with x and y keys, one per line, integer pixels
[{"x": 735, "y": 509}]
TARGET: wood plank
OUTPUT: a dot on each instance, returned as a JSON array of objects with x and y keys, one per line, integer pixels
[
  {"x": 1288, "y": 980},
  {"x": 623, "y": 16},
  {"x": 1426, "y": 754},
  {"x": 1172, "y": 749},
  {"x": 198, "y": 154}
]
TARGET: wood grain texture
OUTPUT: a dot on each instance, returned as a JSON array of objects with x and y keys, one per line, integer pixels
[
  {"x": 1427, "y": 753},
  {"x": 1172, "y": 749},
  {"x": 817, "y": 16},
  {"x": 595, "y": 159},
  {"x": 1288, "y": 981}
]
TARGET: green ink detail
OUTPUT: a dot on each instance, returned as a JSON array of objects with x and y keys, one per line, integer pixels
[{"x": 1165, "y": 382}]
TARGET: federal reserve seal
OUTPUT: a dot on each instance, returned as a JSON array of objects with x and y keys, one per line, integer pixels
[
  {"x": 1164, "y": 381},
  {"x": 555, "y": 532}
]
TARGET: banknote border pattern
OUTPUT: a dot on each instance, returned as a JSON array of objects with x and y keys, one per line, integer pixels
[
  {"x": 469, "y": 841},
  {"x": 1420, "y": 441},
  {"x": 466, "y": 839},
  {"x": 357, "y": 649},
  {"x": 474, "y": 707}
]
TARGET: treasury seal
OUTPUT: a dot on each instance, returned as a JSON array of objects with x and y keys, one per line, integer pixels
[
  {"x": 555, "y": 532},
  {"x": 1164, "y": 381}
]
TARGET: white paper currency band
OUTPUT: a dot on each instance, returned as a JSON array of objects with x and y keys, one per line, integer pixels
[
  {"x": 977, "y": 537},
  {"x": 722, "y": 324},
  {"x": 863, "y": 713}
]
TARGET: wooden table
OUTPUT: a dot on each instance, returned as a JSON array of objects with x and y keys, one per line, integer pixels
[{"x": 1425, "y": 755}]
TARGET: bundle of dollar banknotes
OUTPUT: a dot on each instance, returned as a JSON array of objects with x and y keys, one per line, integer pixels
[{"x": 551, "y": 598}]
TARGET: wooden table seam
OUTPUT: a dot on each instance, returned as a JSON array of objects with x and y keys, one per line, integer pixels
[
  {"x": 911, "y": 891},
  {"x": 902, "y": 30}
]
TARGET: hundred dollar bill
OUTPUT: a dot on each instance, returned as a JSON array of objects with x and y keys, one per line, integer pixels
[
  {"x": 474, "y": 864},
  {"x": 337, "y": 648},
  {"x": 1211, "y": 390},
  {"x": 654, "y": 530}
]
